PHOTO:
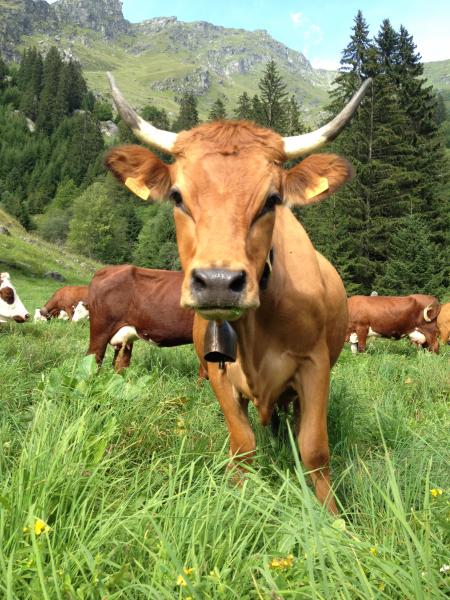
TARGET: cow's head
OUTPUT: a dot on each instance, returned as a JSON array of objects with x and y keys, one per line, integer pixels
[
  {"x": 225, "y": 183},
  {"x": 80, "y": 312},
  {"x": 11, "y": 307},
  {"x": 39, "y": 315}
]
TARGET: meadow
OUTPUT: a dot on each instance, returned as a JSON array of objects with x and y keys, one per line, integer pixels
[{"x": 115, "y": 486}]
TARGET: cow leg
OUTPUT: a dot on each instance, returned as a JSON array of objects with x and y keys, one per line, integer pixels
[
  {"x": 98, "y": 345},
  {"x": 312, "y": 386},
  {"x": 362, "y": 333},
  {"x": 235, "y": 410},
  {"x": 122, "y": 357}
]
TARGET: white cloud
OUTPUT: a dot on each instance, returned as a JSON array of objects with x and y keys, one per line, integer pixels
[
  {"x": 330, "y": 64},
  {"x": 296, "y": 18}
]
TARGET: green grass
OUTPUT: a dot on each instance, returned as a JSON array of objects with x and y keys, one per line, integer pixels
[{"x": 129, "y": 472}]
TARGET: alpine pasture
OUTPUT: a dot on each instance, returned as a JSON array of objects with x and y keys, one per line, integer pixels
[{"x": 116, "y": 486}]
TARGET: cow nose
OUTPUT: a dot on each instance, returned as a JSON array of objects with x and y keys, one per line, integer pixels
[
  {"x": 27, "y": 317},
  {"x": 218, "y": 287}
]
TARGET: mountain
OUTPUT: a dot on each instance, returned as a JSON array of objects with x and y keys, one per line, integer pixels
[
  {"x": 157, "y": 60},
  {"x": 438, "y": 73}
]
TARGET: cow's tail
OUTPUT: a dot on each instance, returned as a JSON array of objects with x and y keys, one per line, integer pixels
[{"x": 431, "y": 311}]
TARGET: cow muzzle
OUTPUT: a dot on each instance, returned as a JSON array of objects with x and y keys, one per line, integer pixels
[
  {"x": 23, "y": 319},
  {"x": 218, "y": 294}
]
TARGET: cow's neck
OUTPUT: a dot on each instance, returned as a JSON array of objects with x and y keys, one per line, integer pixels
[{"x": 270, "y": 339}]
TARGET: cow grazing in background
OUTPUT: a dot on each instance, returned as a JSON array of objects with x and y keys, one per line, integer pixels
[
  {"x": 11, "y": 307},
  {"x": 443, "y": 323},
  {"x": 62, "y": 304},
  {"x": 128, "y": 303},
  {"x": 393, "y": 317},
  {"x": 81, "y": 311},
  {"x": 247, "y": 260}
]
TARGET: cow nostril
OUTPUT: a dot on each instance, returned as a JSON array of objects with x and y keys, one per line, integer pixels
[
  {"x": 237, "y": 284},
  {"x": 27, "y": 317},
  {"x": 199, "y": 280}
]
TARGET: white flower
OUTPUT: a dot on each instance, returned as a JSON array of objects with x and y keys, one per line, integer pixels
[{"x": 444, "y": 569}]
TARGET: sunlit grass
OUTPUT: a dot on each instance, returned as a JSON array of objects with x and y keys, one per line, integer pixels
[{"x": 129, "y": 475}]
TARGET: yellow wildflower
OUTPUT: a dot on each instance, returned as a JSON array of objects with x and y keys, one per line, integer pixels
[
  {"x": 373, "y": 550},
  {"x": 282, "y": 563},
  {"x": 181, "y": 579},
  {"x": 40, "y": 526},
  {"x": 435, "y": 492},
  {"x": 26, "y": 530}
]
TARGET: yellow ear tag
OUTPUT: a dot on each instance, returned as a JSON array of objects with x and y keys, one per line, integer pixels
[
  {"x": 320, "y": 186},
  {"x": 137, "y": 188}
]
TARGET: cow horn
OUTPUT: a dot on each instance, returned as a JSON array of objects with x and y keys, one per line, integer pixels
[
  {"x": 158, "y": 138},
  {"x": 298, "y": 145},
  {"x": 425, "y": 313}
]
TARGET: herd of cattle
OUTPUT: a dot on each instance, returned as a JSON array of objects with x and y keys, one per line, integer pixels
[
  {"x": 127, "y": 303},
  {"x": 253, "y": 290}
]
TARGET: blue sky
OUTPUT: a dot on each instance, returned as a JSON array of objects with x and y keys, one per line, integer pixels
[{"x": 319, "y": 29}]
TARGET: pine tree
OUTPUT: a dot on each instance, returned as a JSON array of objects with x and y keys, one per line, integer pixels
[
  {"x": 411, "y": 261},
  {"x": 30, "y": 82},
  {"x": 156, "y": 116},
  {"x": 78, "y": 88},
  {"x": 218, "y": 111},
  {"x": 62, "y": 104},
  {"x": 257, "y": 112},
  {"x": 294, "y": 122},
  {"x": 188, "y": 115},
  {"x": 273, "y": 93},
  {"x": 47, "y": 118},
  {"x": 243, "y": 110}
]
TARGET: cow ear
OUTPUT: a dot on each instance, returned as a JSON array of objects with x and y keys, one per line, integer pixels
[
  {"x": 140, "y": 171},
  {"x": 315, "y": 178}
]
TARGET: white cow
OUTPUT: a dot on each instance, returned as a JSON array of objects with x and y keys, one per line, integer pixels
[
  {"x": 11, "y": 307},
  {"x": 81, "y": 311}
]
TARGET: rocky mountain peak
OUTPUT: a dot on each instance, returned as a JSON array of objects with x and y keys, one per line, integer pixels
[{"x": 104, "y": 16}]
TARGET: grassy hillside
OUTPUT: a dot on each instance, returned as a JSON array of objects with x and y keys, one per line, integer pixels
[
  {"x": 438, "y": 73},
  {"x": 29, "y": 257},
  {"x": 155, "y": 65},
  {"x": 111, "y": 486}
]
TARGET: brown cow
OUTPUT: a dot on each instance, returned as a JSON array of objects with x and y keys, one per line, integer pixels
[
  {"x": 128, "y": 303},
  {"x": 443, "y": 323},
  {"x": 63, "y": 302},
  {"x": 246, "y": 259},
  {"x": 393, "y": 317}
]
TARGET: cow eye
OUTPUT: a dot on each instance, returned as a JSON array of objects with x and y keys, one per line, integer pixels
[
  {"x": 176, "y": 197},
  {"x": 269, "y": 204}
]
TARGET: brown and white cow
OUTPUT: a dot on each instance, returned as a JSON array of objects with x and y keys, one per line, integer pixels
[
  {"x": 62, "y": 304},
  {"x": 128, "y": 303},
  {"x": 11, "y": 307},
  {"x": 235, "y": 230},
  {"x": 393, "y": 317},
  {"x": 80, "y": 312},
  {"x": 443, "y": 323}
]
